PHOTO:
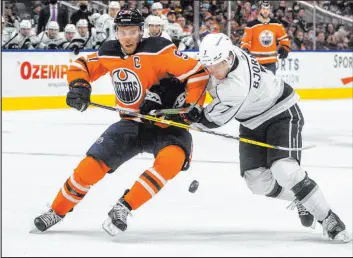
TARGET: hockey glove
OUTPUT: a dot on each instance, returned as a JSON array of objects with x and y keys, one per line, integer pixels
[
  {"x": 193, "y": 116},
  {"x": 283, "y": 52},
  {"x": 79, "y": 95},
  {"x": 152, "y": 101}
]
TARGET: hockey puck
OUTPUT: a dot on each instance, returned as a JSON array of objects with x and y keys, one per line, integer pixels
[{"x": 193, "y": 186}]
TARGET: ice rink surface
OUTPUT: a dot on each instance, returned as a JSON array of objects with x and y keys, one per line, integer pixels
[{"x": 40, "y": 149}]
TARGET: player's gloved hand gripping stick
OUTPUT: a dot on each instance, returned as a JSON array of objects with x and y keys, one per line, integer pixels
[{"x": 196, "y": 128}]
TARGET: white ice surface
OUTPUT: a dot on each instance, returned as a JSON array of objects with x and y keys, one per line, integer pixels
[{"x": 40, "y": 149}]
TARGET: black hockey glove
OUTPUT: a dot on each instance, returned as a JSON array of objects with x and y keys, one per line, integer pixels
[
  {"x": 283, "y": 52},
  {"x": 152, "y": 101},
  {"x": 79, "y": 95},
  {"x": 193, "y": 116}
]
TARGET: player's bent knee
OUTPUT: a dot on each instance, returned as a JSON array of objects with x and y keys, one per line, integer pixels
[
  {"x": 287, "y": 172},
  {"x": 169, "y": 161},
  {"x": 260, "y": 181},
  {"x": 90, "y": 171}
]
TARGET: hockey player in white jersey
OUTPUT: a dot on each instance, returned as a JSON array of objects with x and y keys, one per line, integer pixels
[
  {"x": 105, "y": 24},
  {"x": 88, "y": 39},
  {"x": 5, "y": 35},
  {"x": 24, "y": 39},
  {"x": 154, "y": 29},
  {"x": 267, "y": 110},
  {"x": 68, "y": 34},
  {"x": 50, "y": 39},
  {"x": 157, "y": 11}
]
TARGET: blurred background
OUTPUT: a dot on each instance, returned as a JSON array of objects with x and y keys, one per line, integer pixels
[{"x": 75, "y": 25}]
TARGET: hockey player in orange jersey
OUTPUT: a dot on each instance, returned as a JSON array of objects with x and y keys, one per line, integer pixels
[
  {"x": 261, "y": 37},
  {"x": 134, "y": 66}
]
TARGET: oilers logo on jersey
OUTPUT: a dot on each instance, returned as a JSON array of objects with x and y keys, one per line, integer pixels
[
  {"x": 127, "y": 86},
  {"x": 266, "y": 38}
]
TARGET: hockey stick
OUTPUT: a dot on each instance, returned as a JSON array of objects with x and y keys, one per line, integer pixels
[{"x": 195, "y": 128}]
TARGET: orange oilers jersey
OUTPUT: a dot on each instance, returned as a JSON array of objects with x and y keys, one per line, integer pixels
[
  {"x": 261, "y": 40},
  {"x": 154, "y": 59}
]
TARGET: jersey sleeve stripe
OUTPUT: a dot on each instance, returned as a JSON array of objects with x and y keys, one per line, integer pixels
[
  {"x": 201, "y": 78},
  {"x": 285, "y": 36},
  {"x": 78, "y": 65},
  {"x": 191, "y": 72}
]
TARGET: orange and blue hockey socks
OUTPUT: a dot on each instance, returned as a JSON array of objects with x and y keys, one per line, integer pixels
[
  {"x": 87, "y": 173},
  {"x": 167, "y": 164}
]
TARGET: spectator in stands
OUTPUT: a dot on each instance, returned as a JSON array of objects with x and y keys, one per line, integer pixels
[
  {"x": 221, "y": 21},
  {"x": 320, "y": 41},
  {"x": 83, "y": 13},
  {"x": 52, "y": 12},
  {"x": 12, "y": 20},
  {"x": 145, "y": 11},
  {"x": 298, "y": 42},
  {"x": 37, "y": 6},
  {"x": 330, "y": 29}
]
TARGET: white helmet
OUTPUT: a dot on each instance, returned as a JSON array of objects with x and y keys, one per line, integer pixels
[
  {"x": 70, "y": 28},
  {"x": 156, "y": 5},
  {"x": 53, "y": 25},
  {"x": 25, "y": 24},
  {"x": 82, "y": 23},
  {"x": 155, "y": 20},
  {"x": 215, "y": 48},
  {"x": 114, "y": 4}
]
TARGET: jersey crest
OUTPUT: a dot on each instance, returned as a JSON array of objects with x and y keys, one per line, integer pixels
[
  {"x": 266, "y": 38},
  {"x": 127, "y": 86}
]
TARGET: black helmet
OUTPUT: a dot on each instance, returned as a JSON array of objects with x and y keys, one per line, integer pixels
[
  {"x": 265, "y": 4},
  {"x": 129, "y": 17}
]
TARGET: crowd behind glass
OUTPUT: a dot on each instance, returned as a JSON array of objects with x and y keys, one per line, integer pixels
[{"x": 53, "y": 25}]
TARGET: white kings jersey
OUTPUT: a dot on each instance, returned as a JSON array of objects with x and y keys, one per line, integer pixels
[
  {"x": 105, "y": 27},
  {"x": 250, "y": 94}
]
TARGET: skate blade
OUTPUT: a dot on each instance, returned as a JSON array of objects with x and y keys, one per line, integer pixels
[
  {"x": 313, "y": 225},
  {"x": 110, "y": 228},
  {"x": 343, "y": 236}
]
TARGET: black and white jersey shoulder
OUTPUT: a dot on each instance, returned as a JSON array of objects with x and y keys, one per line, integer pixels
[{"x": 250, "y": 94}]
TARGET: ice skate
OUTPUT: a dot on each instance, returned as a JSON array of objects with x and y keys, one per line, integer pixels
[
  {"x": 47, "y": 220},
  {"x": 306, "y": 218},
  {"x": 335, "y": 228},
  {"x": 117, "y": 218}
]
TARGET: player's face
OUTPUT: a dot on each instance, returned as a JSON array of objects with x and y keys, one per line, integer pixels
[
  {"x": 52, "y": 33},
  {"x": 155, "y": 29},
  {"x": 113, "y": 12},
  {"x": 69, "y": 35},
  {"x": 25, "y": 32},
  {"x": 129, "y": 37},
  {"x": 157, "y": 12},
  {"x": 265, "y": 11},
  {"x": 82, "y": 31},
  {"x": 219, "y": 71}
]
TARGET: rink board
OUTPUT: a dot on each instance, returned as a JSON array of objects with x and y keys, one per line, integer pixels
[{"x": 37, "y": 80}]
